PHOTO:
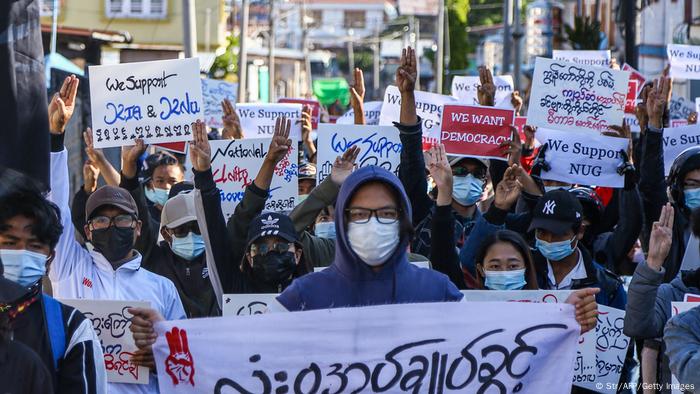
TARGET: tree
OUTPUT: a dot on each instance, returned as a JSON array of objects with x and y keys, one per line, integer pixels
[
  {"x": 457, "y": 12},
  {"x": 225, "y": 66},
  {"x": 585, "y": 34}
]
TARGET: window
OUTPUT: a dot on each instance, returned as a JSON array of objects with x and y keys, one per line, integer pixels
[
  {"x": 354, "y": 19},
  {"x": 138, "y": 9},
  {"x": 314, "y": 19}
]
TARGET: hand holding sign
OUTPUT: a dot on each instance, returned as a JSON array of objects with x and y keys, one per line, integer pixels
[
  {"x": 661, "y": 238},
  {"x": 486, "y": 91},
  {"x": 657, "y": 101},
  {"x": 200, "y": 150},
  {"x": 586, "y": 307},
  {"x": 407, "y": 74},
  {"x": 440, "y": 171},
  {"x": 232, "y": 123},
  {"x": 344, "y": 165},
  {"x": 62, "y": 105}
]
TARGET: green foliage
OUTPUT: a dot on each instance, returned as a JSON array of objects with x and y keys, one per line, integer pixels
[
  {"x": 225, "y": 66},
  {"x": 585, "y": 34},
  {"x": 457, "y": 12}
]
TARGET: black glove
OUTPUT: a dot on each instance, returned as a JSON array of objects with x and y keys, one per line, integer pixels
[{"x": 627, "y": 169}]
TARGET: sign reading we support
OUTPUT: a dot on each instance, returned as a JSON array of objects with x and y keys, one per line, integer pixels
[
  {"x": 214, "y": 91},
  {"x": 235, "y": 164},
  {"x": 156, "y": 101},
  {"x": 465, "y": 88},
  {"x": 476, "y": 347},
  {"x": 584, "y": 58},
  {"x": 684, "y": 61},
  {"x": 258, "y": 120},
  {"x": 379, "y": 146},
  {"x": 568, "y": 95},
  {"x": 247, "y": 304},
  {"x": 315, "y": 108},
  {"x": 678, "y": 139},
  {"x": 475, "y": 131},
  {"x": 428, "y": 107},
  {"x": 372, "y": 111},
  {"x": 111, "y": 322},
  {"x": 582, "y": 157}
]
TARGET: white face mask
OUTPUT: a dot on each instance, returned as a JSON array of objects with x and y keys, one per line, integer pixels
[{"x": 373, "y": 242}]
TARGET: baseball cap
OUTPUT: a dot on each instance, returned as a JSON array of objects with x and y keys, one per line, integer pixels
[
  {"x": 178, "y": 211},
  {"x": 307, "y": 171},
  {"x": 557, "y": 212},
  {"x": 456, "y": 159},
  {"x": 110, "y": 195},
  {"x": 272, "y": 224}
]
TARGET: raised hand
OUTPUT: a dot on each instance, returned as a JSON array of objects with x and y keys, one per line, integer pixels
[
  {"x": 62, "y": 105},
  {"x": 586, "y": 307},
  {"x": 657, "y": 101},
  {"x": 344, "y": 165},
  {"x": 280, "y": 143},
  {"x": 640, "y": 110},
  {"x": 508, "y": 190},
  {"x": 306, "y": 124},
  {"x": 529, "y": 132},
  {"x": 95, "y": 155},
  {"x": 179, "y": 364},
  {"x": 407, "y": 73},
  {"x": 693, "y": 118},
  {"x": 357, "y": 90},
  {"x": 516, "y": 101},
  {"x": 441, "y": 172},
  {"x": 130, "y": 155},
  {"x": 232, "y": 123},
  {"x": 486, "y": 91},
  {"x": 200, "y": 150},
  {"x": 90, "y": 175},
  {"x": 514, "y": 147},
  {"x": 661, "y": 238},
  {"x": 622, "y": 132}
]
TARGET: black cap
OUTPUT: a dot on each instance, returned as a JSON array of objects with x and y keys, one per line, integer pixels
[
  {"x": 180, "y": 187},
  {"x": 272, "y": 224},
  {"x": 557, "y": 212}
]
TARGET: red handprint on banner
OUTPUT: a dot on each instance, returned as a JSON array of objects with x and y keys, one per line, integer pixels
[{"x": 179, "y": 364}]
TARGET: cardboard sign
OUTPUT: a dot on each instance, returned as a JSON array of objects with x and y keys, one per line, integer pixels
[
  {"x": 248, "y": 304},
  {"x": 372, "y": 111},
  {"x": 569, "y": 96},
  {"x": 475, "y": 131},
  {"x": 635, "y": 76},
  {"x": 387, "y": 348},
  {"x": 428, "y": 107},
  {"x": 258, "y": 120},
  {"x": 583, "y": 158},
  {"x": 379, "y": 146},
  {"x": 631, "y": 99},
  {"x": 676, "y": 140},
  {"x": 156, "y": 101},
  {"x": 680, "y": 107},
  {"x": 111, "y": 323},
  {"x": 684, "y": 61},
  {"x": 583, "y": 58},
  {"x": 315, "y": 108},
  {"x": 235, "y": 164},
  {"x": 214, "y": 91},
  {"x": 466, "y": 88}
]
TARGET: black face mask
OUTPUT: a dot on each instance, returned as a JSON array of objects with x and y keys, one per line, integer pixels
[
  {"x": 273, "y": 271},
  {"x": 113, "y": 242}
]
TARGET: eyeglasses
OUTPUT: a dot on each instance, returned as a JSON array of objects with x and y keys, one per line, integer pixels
[
  {"x": 120, "y": 221},
  {"x": 262, "y": 249},
  {"x": 183, "y": 230},
  {"x": 461, "y": 171},
  {"x": 363, "y": 215}
]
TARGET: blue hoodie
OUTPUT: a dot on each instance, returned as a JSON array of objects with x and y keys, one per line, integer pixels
[{"x": 350, "y": 282}]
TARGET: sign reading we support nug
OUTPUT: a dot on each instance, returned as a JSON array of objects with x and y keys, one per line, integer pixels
[{"x": 155, "y": 101}]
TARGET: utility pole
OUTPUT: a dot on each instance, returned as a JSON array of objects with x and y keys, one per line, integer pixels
[
  {"x": 54, "y": 26},
  {"x": 416, "y": 31},
  {"x": 376, "y": 64},
  {"x": 189, "y": 23},
  {"x": 271, "y": 55},
  {"x": 351, "y": 56},
  {"x": 507, "y": 22},
  {"x": 305, "y": 48},
  {"x": 630, "y": 32},
  {"x": 243, "y": 54},
  {"x": 517, "y": 35},
  {"x": 440, "y": 69},
  {"x": 207, "y": 31}
]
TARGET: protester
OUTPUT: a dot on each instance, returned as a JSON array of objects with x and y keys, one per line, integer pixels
[
  {"x": 161, "y": 170},
  {"x": 307, "y": 179},
  {"x": 307, "y": 140},
  {"x": 683, "y": 348},
  {"x": 18, "y": 360}
]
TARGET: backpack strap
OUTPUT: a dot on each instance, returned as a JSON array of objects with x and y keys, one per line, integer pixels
[{"x": 55, "y": 327}]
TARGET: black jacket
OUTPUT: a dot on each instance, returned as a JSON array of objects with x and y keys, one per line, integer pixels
[{"x": 22, "y": 371}]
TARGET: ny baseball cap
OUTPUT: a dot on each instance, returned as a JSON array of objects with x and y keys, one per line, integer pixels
[
  {"x": 456, "y": 159},
  {"x": 272, "y": 224},
  {"x": 557, "y": 212},
  {"x": 178, "y": 211},
  {"x": 113, "y": 196},
  {"x": 307, "y": 171}
]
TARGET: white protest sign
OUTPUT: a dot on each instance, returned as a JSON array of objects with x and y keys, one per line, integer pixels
[
  {"x": 571, "y": 96},
  {"x": 676, "y": 140},
  {"x": 697, "y": 105},
  {"x": 156, "y": 101},
  {"x": 583, "y": 58},
  {"x": 111, "y": 322},
  {"x": 680, "y": 107},
  {"x": 465, "y": 88},
  {"x": 372, "y": 111},
  {"x": 632, "y": 121},
  {"x": 476, "y": 347},
  {"x": 582, "y": 157},
  {"x": 258, "y": 120},
  {"x": 214, "y": 91},
  {"x": 678, "y": 308},
  {"x": 428, "y": 107},
  {"x": 235, "y": 164},
  {"x": 247, "y": 304},
  {"x": 379, "y": 146},
  {"x": 684, "y": 61}
]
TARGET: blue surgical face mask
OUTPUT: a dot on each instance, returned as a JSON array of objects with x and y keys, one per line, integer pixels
[
  {"x": 692, "y": 198},
  {"x": 22, "y": 266},
  {"x": 555, "y": 251},
  {"x": 325, "y": 230},
  {"x": 467, "y": 190},
  {"x": 188, "y": 247},
  {"x": 505, "y": 280},
  {"x": 156, "y": 195},
  {"x": 301, "y": 198}
]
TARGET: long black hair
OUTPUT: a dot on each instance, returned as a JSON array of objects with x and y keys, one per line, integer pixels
[{"x": 514, "y": 239}]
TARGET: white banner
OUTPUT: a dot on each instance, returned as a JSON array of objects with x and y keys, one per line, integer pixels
[
  {"x": 214, "y": 91},
  {"x": 111, "y": 322},
  {"x": 235, "y": 164},
  {"x": 428, "y": 107},
  {"x": 571, "y": 96},
  {"x": 697, "y": 105},
  {"x": 465, "y": 89},
  {"x": 249, "y": 304},
  {"x": 157, "y": 101},
  {"x": 476, "y": 347},
  {"x": 258, "y": 120},
  {"x": 582, "y": 157},
  {"x": 379, "y": 146},
  {"x": 676, "y": 140},
  {"x": 372, "y": 111},
  {"x": 633, "y": 122},
  {"x": 684, "y": 61},
  {"x": 583, "y": 58}
]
